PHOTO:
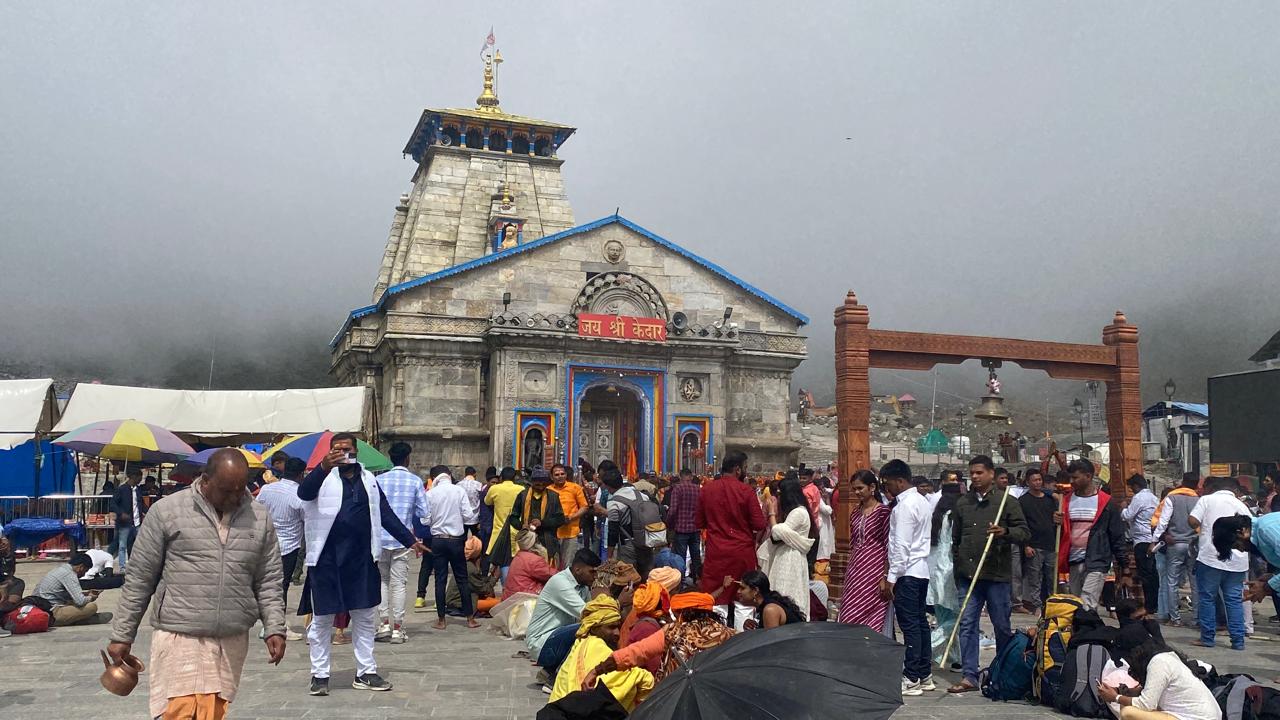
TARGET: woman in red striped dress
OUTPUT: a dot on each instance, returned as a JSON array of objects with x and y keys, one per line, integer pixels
[{"x": 861, "y": 603}]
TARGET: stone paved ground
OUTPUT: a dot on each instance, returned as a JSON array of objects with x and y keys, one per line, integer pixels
[{"x": 453, "y": 674}]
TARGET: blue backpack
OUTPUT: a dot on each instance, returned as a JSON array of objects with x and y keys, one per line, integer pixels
[{"x": 1009, "y": 676}]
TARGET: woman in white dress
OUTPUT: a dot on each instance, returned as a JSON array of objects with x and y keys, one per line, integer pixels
[
  {"x": 827, "y": 531},
  {"x": 783, "y": 555}
]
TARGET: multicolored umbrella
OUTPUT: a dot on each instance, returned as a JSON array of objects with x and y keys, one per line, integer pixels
[
  {"x": 126, "y": 440},
  {"x": 194, "y": 465},
  {"x": 313, "y": 447}
]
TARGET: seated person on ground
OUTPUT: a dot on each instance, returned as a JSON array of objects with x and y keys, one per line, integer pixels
[
  {"x": 596, "y": 639},
  {"x": 71, "y": 605},
  {"x": 772, "y": 609},
  {"x": 482, "y": 586},
  {"x": 102, "y": 575},
  {"x": 529, "y": 570},
  {"x": 1169, "y": 688},
  {"x": 560, "y": 603},
  {"x": 697, "y": 628},
  {"x": 11, "y": 588}
]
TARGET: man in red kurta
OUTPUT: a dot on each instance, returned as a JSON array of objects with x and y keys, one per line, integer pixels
[{"x": 730, "y": 513}]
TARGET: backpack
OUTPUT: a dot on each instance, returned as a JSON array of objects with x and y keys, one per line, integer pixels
[
  {"x": 26, "y": 620},
  {"x": 647, "y": 528},
  {"x": 1053, "y": 635},
  {"x": 1009, "y": 675},
  {"x": 1264, "y": 701},
  {"x": 1230, "y": 693},
  {"x": 1078, "y": 690}
]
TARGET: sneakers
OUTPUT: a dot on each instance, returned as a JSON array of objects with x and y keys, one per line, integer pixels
[
  {"x": 383, "y": 634},
  {"x": 319, "y": 686},
  {"x": 420, "y": 603},
  {"x": 371, "y": 681},
  {"x": 911, "y": 688},
  {"x": 926, "y": 684},
  {"x": 398, "y": 636},
  {"x": 293, "y": 635}
]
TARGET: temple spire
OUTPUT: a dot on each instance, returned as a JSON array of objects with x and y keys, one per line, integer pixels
[{"x": 488, "y": 100}]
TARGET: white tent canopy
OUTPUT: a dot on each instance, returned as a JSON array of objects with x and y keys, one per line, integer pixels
[
  {"x": 26, "y": 407},
  {"x": 220, "y": 413}
]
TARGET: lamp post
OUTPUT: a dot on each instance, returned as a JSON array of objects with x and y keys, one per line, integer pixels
[
  {"x": 1077, "y": 407},
  {"x": 1170, "y": 387}
]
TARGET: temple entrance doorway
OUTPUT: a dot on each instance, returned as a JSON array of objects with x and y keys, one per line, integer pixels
[{"x": 610, "y": 427}]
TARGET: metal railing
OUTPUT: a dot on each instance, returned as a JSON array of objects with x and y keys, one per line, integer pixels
[{"x": 92, "y": 510}]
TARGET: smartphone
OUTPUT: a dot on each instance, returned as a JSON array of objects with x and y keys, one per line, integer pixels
[{"x": 351, "y": 458}]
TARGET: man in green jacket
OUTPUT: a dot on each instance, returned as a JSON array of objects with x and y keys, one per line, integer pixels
[{"x": 974, "y": 519}]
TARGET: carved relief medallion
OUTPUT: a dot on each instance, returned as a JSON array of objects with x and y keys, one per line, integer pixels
[{"x": 614, "y": 251}]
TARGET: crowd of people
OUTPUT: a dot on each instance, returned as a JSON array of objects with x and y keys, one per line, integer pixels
[{"x": 613, "y": 583}]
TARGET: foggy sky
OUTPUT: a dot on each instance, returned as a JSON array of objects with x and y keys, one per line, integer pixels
[{"x": 191, "y": 175}]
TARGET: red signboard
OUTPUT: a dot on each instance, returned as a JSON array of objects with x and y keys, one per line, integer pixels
[{"x": 622, "y": 327}]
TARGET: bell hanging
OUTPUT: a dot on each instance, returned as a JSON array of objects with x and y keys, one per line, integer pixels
[{"x": 992, "y": 408}]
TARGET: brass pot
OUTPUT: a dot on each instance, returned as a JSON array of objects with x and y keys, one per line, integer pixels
[{"x": 120, "y": 678}]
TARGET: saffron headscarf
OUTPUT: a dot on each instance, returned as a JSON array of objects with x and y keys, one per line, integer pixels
[
  {"x": 650, "y": 600},
  {"x": 667, "y": 577},
  {"x": 602, "y": 610},
  {"x": 693, "y": 601}
]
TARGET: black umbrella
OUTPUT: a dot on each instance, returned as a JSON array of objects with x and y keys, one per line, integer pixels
[{"x": 799, "y": 671}]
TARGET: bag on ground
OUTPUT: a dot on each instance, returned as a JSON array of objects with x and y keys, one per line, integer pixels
[
  {"x": 1264, "y": 701},
  {"x": 1078, "y": 688},
  {"x": 1230, "y": 692},
  {"x": 1053, "y": 635},
  {"x": 1009, "y": 676},
  {"x": 27, "y": 619}
]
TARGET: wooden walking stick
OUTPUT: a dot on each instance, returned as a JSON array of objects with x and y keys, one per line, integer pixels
[
  {"x": 977, "y": 573},
  {"x": 1057, "y": 547}
]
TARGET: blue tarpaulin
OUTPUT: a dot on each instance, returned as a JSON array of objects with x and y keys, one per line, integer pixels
[{"x": 17, "y": 470}]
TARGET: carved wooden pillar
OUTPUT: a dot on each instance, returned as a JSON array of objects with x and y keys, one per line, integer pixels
[
  {"x": 853, "y": 407},
  {"x": 1124, "y": 404}
]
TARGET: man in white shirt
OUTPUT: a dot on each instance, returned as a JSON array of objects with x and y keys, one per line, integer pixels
[
  {"x": 474, "y": 489},
  {"x": 285, "y": 508},
  {"x": 1136, "y": 513},
  {"x": 1213, "y": 575},
  {"x": 907, "y": 581},
  {"x": 448, "y": 505},
  {"x": 102, "y": 563},
  {"x": 407, "y": 499}
]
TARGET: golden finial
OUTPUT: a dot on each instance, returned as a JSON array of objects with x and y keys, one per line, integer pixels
[{"x": 488, "y": 100}]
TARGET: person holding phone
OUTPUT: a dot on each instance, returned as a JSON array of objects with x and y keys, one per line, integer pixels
[{"x": 345, "y": 511}]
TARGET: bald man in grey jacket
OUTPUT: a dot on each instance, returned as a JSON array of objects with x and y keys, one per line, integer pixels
[{"x": 209, "y": 559}]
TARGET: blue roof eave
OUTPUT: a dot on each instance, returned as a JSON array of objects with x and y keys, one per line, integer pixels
[{"x": 541, "y": 242}]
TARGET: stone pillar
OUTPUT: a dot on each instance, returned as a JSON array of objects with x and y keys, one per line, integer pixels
[
  {"x": 853, "y": 408},
  {"x": 1124, "y": 404}
]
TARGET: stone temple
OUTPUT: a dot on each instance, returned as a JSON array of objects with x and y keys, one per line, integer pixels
[{"x": 504, "y": 332}]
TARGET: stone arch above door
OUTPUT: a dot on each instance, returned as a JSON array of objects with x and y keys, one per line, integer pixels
[{"x": 620, "y": 293}]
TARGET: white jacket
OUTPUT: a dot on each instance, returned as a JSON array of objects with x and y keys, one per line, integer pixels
[{"x": 321, "y": 512}]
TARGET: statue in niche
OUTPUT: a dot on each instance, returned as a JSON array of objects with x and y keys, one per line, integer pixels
[
  {"x": 690, "y": 389},
  {"x": 510, "y": 236},
  {"x": 533, "y": 449}
]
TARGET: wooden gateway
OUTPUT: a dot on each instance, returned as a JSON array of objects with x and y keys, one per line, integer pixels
[{"x": 859, "y": 348}]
